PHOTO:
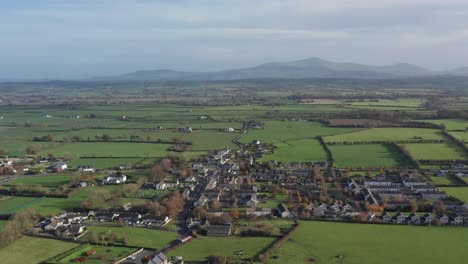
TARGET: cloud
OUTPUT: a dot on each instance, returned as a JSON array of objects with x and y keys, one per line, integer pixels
[{"x": 47, "y": 38}]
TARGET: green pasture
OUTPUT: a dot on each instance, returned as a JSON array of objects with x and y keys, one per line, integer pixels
[
  {"x": 301, "y": 150},
  {"x": 366, "y": 156},
  {"x": 325, "y": 242},
  {"x": 436, "y": 151}
]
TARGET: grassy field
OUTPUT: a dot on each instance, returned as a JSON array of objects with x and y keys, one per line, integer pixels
[
  {"x": 450, "y": 124},
  {"x": 443, "y": 151},
  {"x": 458, "y": 192},
  {"x": 54, "y": 180},
  {"x": 279, "y": 131},
  {"x": 460, "y": 135},
  {"x": 103, "y": 254},
  {"x": 367, "y": 156},
  {"x": 298, "y": 150},
  {"x": 387, "y": 134},
  {"x": 139, "y": 237},
  {"x": 47, "y": 206},
  {"x": 110, "y": 149},
  {"x": 32, "y": 250},
  {"x": 444, "y": 180},
  {"x": 321, "y": 242},
  {"x": 201, "y": 248}
]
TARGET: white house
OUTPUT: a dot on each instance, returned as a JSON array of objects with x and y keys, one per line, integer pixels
[
  {"x": 167, "y": 184},
  {"x": 115, "y": 178},
  {"x": 59, "y": 167}
]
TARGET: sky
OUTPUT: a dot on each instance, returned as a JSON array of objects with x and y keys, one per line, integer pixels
[{"x": 72, "y": 39}]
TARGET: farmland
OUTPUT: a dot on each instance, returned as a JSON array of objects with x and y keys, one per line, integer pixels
[
  {"x": 301, "y": 150},
  {"x": 458, "y": 192},
  {"x": 387, "y": 134},
  {"x": 138, "y": 237},
  {"x": 322, "y": 242},
  {"x": 367, "y": 156},
  {"x": 443, "y": 151},
  {"x": 278, "y": 131},
  {"x": 31, "y": 250},
  {"x": 201, "y": 249}
]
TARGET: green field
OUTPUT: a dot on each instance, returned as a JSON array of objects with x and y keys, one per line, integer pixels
[
  {"x": 139, "y": 237},
  {"x": 443, "y": 151},
  {"x": 201, "y": 248},
  {"x": 387, "y": 134},
  {"x": 366, "y": 156},
  {"x": 321, "y": 242},
  {"x": 458, "y": 192},
  {"x": 450, "y": 124},
  {"x": 47, "y": 206},
  {"x": 298, "y": 150},
  {"x": 460, "y": 135},
  {"x": 110, "y": 149},
  {"x": 279, "y": 131},
  {"x": 53, "y": 180},
  {"x": 444, "y": 180},
  {"x": 103, "y": 254},
  {"x": 32, "y": 250}
]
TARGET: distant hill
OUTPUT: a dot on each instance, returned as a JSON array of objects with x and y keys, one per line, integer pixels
[
  {"x": 459, "y": 71},
  {"x": 300, "y": 69}
]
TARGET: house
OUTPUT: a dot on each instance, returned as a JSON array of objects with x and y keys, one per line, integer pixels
[
  {"x": 54, "y": 224},
  {"x": 399, "y": 218},
  {"x": 59, "y": 167},
  {"x": 75, "y": 217},
  {"x": 106, "y": 216},
  {"x": 427, "y": 218},
  {"x": 115, "y": 178},
  {"x": 251, "y": 200},
  {"x": 167, "y": 184},
  {"x": 159, "y": 128},
  {"x": 155, "y": 220},
  {"x": 258, "y": 211},
  {"x": 130, "y": 217},
  {"x": 76, "y": 229},
  {"x": 159, "y": 258},
  {"x": 460, "y": 174},
  {"x": 281, "y": 211},
  {"x": 86, "y": 169},
  {"x": 444, "y": 219},
  {"x": 186, "y": 130},
  {"x": 219, "y": 230},
  {"x": 386, "y": 217},
  {"x": 456, "y": 220},
  {"x": 203, "y": 117},
  {"x": 229, "y": 129},
  {"x": 413, "y": 218},
  {"x": 215, "y": 212}
]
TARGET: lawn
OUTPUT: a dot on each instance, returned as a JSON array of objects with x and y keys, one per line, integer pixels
[
  {"x": 460, "y": 135},
  {"x": 32, "y": 250},
  {"x": 366, "y": 156},
  {"x": 139, "y": 237},
  {"x": 442, "y": 151},
  {"x": 301, "y": 150},
  {"x": 387, "y": 134},
  {"x": 321, "y": 242},
  {"x": 201, "y": 248},
  {"x": 279, "y": 131},
  {"x": 458, "y": 192}
]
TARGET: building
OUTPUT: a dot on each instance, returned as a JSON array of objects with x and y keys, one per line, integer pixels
[
  {"x": 59, "y": 167},
  {"x": 115, "y": 178},
  {"x": 281, "y": 211}
]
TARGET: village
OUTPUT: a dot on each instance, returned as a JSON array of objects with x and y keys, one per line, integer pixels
[{"x": 230, "y": 185}]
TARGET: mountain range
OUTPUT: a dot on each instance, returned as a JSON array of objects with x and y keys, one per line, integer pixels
[{"x": 300, "y": 69}]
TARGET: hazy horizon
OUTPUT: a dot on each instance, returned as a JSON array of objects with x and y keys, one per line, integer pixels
[{"x": 56, "y": 39}]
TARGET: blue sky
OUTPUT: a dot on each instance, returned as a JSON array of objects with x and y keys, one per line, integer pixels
[{"x": 69, "y": 39}]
